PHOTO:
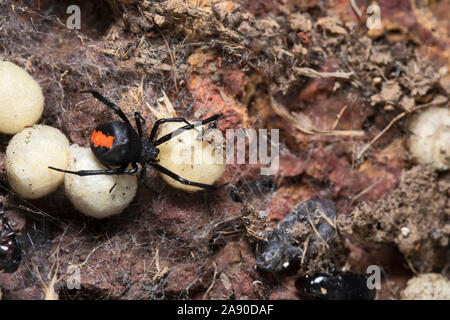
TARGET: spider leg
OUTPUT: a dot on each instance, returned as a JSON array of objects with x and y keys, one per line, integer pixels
[
  {"x": 113, "y": 106},
  {"x": 173, "y": 175},
  {"x": 109, "y": 172},
  {"x": 138, "y": 118},
  {"x": 214, "y": 124},
  {"x": 143, "y": 173},
  {"x": 164, "y": 120},
  {"x": 179, "y": 131}
]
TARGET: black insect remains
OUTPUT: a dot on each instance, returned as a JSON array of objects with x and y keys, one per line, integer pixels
[
  {"x": 344, "y": 286},
  {"x": 117, "y": 144},
  {"x": 284, "y": 245},
  {"x": 10, "y": 251}
]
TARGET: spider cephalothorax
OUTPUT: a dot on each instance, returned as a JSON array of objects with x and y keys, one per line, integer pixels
[{"x": 117, "y": 144}]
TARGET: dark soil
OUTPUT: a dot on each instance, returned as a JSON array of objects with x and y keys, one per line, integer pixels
[{"x": 415, "y": 217}]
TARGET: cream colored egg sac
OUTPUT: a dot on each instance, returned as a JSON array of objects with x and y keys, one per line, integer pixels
[
  {"x": 429, "y": 139},
  {"x": 427, "y": 286},
  {"x": 28, "y": 155},
  {"x": 21, "y": 99},
  {"x": 190, "y": 157},
  {"x": 97, "y": 196}
]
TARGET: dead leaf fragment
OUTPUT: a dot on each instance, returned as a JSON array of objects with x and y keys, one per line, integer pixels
[{"x": 332, "y": 25}]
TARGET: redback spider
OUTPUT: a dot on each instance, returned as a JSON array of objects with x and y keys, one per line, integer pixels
[
  {"x": 116, "y": 143},
  {"x": 10, "y": 251}
]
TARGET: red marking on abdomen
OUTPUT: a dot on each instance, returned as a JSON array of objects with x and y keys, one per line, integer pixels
[{"x": 99, "y": 139}]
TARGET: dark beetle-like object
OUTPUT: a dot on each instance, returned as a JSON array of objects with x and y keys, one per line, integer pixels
[
  {"x": 280, "y": 250},
  {"x": 343, "y": 286},
  {"x": 10, "y": 251}
]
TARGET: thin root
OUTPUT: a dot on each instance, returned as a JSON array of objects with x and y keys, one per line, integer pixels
[
  {"x": 304, "y": 125},
  {"x": 212, "y": 283},
  {"x": 437, "y": 101},
  {"x": 317, "y": 232}
]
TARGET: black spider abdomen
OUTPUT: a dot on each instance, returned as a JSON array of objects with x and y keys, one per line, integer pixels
[{"x": 115, "y": 143}]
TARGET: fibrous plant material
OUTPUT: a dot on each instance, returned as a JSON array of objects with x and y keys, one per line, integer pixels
[
  {"x": 28, "y": 156},
  {"x": 97, "y": 196},
  {"x": 21, "y": 99}
]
